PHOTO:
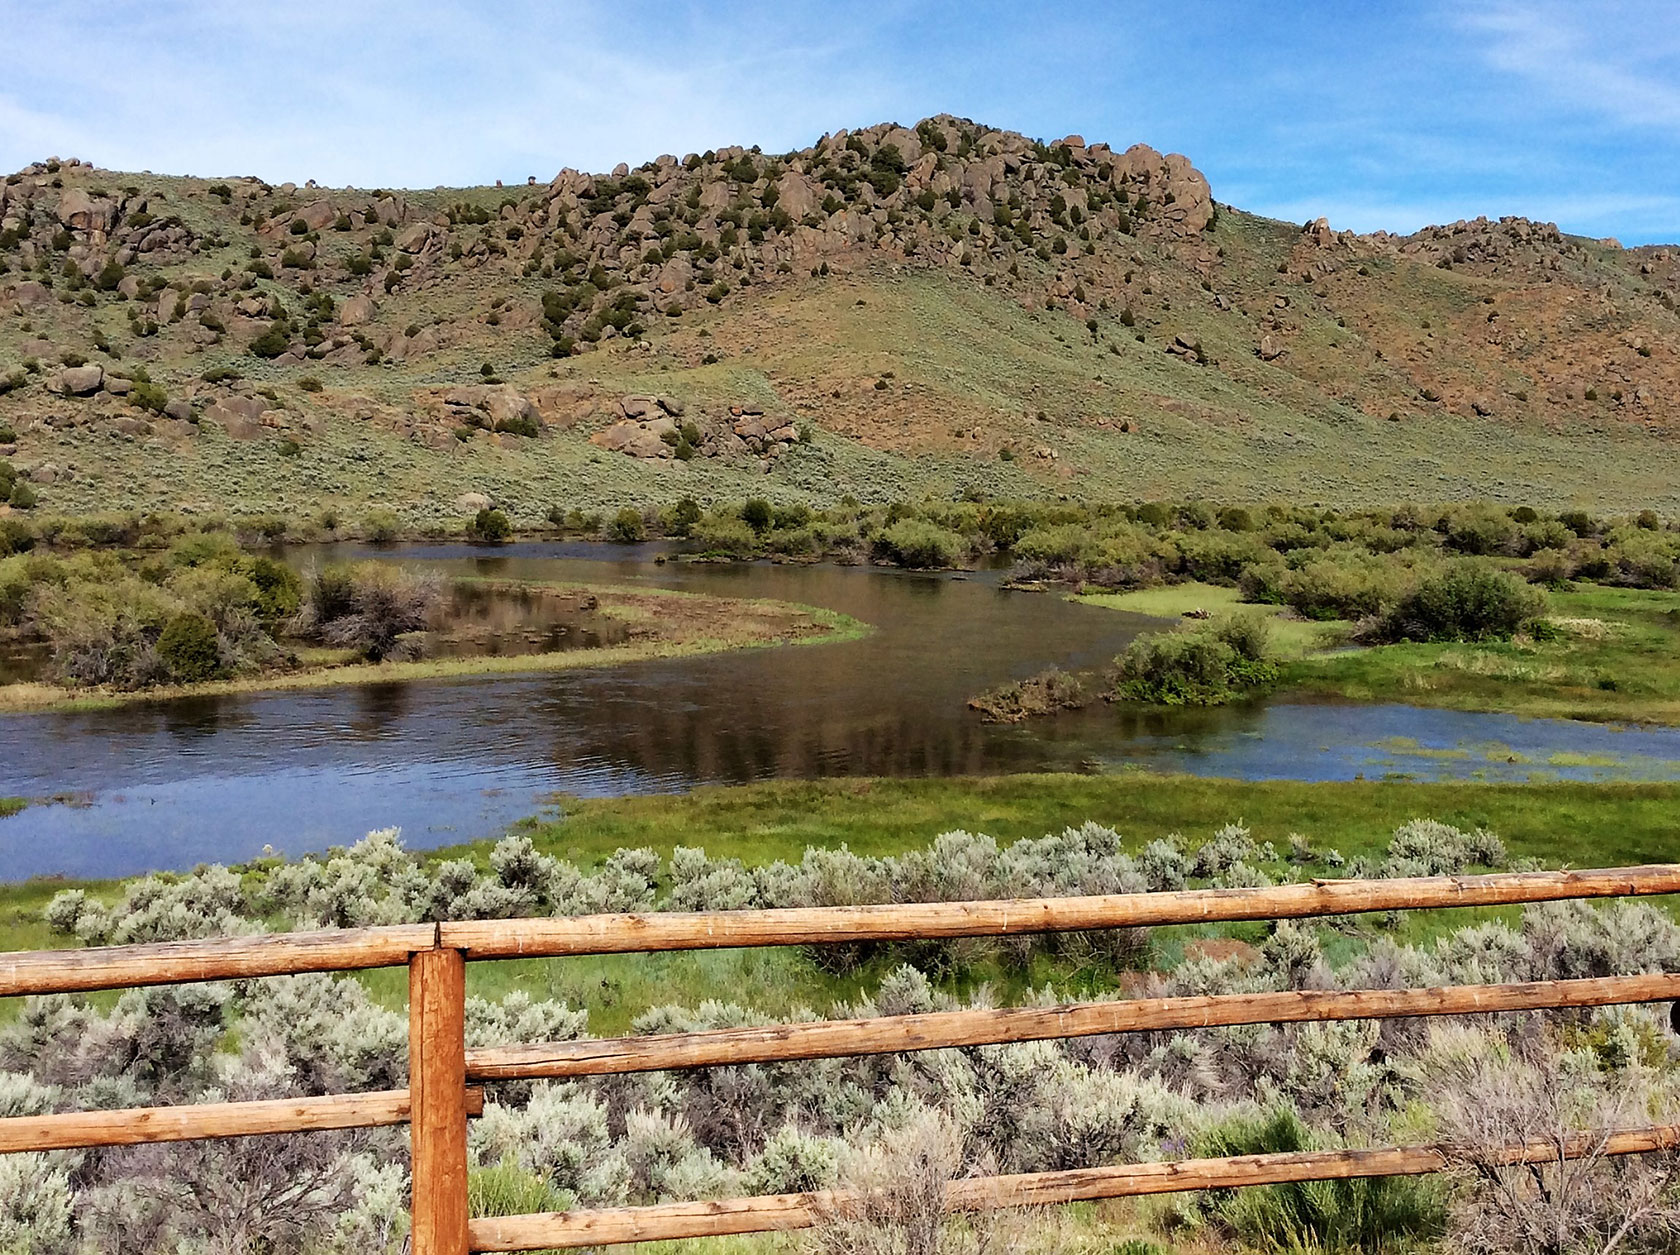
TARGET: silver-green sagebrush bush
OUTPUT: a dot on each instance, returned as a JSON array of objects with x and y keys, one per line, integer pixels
[{"x": 785, "y": 1127}]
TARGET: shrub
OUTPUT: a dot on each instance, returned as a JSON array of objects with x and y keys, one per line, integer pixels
[
  {"x": 491, "y": 526},
  {"x": 726, "y": 535},
  {"x": 279, "y": 588},
  {"x": 381, "y": 527},
  {"x": 1371, "y": 1214},
  {"x": 1206, "y": 667},
  {"x": 627, "y": 527},
  {"x": 757, "y": 514},
  {"x": 273, "y": 342},
  {"x": 148, "y": 396},
  {"x": 367, "y": 608},
  {"x": 917, "y": 543},
  {"x": 1341, "y": 585},
  {"x": 189, "y": 649},
  {"x": 1042, "y": 694},
  {"x": 1465, "y": 601}
]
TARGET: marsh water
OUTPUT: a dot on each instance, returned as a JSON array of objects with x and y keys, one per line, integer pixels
[{"x": 171, "y": 784}]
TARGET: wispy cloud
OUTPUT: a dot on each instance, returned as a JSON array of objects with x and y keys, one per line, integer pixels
[{"x": 1619, "y": 61}]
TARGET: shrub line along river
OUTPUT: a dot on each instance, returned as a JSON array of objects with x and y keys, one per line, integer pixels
[{"x": 172, "y": 784}]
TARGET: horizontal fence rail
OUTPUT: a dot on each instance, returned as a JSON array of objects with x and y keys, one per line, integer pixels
[
  {"x": 894, "y": 1034},
  {"x": 345, "y": 950},
  {"x": 920, "y": 921},
  {"x": 438, "y": 1102},
  {"x": 136, "y": 1126},
  {"x": 781, "y": 1212},
  {"x": 220, "y": 958}
]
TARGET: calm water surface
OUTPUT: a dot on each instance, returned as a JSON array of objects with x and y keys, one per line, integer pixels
[{"x": 171, "y": 784}]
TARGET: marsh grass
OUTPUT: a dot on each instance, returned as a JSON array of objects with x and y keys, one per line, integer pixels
[
  {"x": 1614, "y": 657},
  {"x": 1292, "y": 636}
]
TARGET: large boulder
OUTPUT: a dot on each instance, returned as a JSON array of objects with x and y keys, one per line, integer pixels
[
  {"x": 638, "y": 440},
  {"x": 357, "y": 310},
  {"x": 415, "y": 238},
  {"x": 81, "y": 381},
  {"x": 81, "y": 212},
  {"x": 318, "y": 215},
  {"x": 507, "y": 404},
  {"x": 240, "y": 417}
]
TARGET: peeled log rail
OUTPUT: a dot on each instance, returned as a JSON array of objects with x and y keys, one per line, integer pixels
[
  {"x": 911, "y": 921},
  {"x": 777, "y": 1212},
  {"x": 344, "y": 950},
  {"x": 891, "y": 1034},
  {"x": 135, "y": 1126},
  {"x": 222, "y": 958}
]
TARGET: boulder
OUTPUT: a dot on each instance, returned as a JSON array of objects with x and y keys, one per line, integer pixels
[
  {"x": 81, "y": 381},
  {"x": 179, "y": 409},
  {"x": 81, "y": 212},
  {"x": 357, "y": 310},
  {"x": 415, "y": 238},
  {"x": 618, "y": 437},
  {"x": 637, "y": 440},
  {"x": 1270, "y": 350},
  {"x": 31, "y": 295},
  {"x": 239, "y": 417},
  {"x": 318, "y": 215},
  {"x": 637, "y": 407},
  {"x": 117, "y": 386},
  {"x": 472, "y": 502},
  {"x": 507, "y": 403}
]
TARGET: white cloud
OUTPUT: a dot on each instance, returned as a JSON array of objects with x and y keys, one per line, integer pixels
[{"x": 1618, "y": 61}]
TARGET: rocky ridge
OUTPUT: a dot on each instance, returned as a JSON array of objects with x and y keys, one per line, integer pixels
[{"x": 151, "y": 310}]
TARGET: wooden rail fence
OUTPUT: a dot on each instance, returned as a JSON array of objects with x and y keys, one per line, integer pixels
[{"x": 439, "y": 1100}]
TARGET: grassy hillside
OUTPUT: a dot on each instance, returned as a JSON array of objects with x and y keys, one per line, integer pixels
[{"x": 891, "y": 313}]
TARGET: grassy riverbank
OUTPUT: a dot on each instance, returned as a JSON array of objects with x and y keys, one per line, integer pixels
[
  {"x": 1615, "y": 657},
  {"x": 1609, "y": 655},
  {"x": 662, "y": 623},
  {"x": 1292, "y": 636}
]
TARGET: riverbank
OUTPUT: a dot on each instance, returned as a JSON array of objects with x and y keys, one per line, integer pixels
[
  {"x": 1606, "y": 655},
  {"x": 662, "y": 624}
]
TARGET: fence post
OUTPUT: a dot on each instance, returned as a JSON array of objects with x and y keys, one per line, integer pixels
[{"x": 437, "y": 1086}]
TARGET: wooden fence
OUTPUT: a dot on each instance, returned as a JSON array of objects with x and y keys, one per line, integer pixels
[{"x": 441, "y": 1097}]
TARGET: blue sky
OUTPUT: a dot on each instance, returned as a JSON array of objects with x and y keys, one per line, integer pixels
[{"x": 1376, "y": 115}]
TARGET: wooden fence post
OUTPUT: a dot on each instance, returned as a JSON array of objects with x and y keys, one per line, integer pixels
[{"x": 437, "y": 1085}]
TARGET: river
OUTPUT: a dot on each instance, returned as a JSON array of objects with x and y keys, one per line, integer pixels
[{"x": 172, "y": 784}]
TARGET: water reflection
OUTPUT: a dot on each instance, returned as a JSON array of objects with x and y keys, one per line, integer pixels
[{"x": 448, "y": 760}]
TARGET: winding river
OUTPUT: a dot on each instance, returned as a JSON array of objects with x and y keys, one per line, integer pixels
[{"x": 173, "y": 784}]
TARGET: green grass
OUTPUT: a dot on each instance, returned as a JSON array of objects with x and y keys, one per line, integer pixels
[
  {"x": 1619, "y": 660},
  {"x": 12, "y": 805},
  {"x": 1292, "y": 636}
]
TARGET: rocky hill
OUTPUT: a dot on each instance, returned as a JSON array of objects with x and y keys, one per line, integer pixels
[{"x": 889, "y": 312}]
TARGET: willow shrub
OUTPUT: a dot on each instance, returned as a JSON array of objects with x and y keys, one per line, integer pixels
[
  {"x": 1464, "y": 601},
  {"x": 1210, "y": 666}
]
